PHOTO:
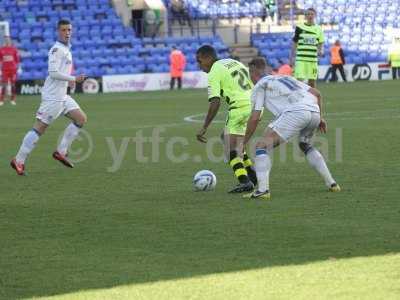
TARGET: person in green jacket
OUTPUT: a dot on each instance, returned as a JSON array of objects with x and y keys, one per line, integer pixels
[{"x": 308, "y": 43}]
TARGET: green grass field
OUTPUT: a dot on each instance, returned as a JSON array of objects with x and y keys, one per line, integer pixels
[{"x": 138, "y": 231}]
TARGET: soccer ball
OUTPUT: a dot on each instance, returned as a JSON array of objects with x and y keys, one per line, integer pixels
[{"x": 204, "y": 180}]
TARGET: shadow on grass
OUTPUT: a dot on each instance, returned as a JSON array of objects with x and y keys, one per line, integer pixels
[
  {"x": 65, "y": 231},
  {"x": 61, "y": 243}
]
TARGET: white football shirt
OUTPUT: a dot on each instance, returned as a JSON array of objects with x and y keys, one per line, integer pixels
[
  {"x": 280, "y": 94},
  {"x": 60, "y": 60}
]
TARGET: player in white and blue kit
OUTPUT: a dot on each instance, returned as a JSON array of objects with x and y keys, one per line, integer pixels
[
  {"x": 55, "y": 102},
  {"x": 297, "y": 109}
]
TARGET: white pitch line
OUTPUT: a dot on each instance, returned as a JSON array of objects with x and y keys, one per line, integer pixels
[
  {"x": 157, "y": 125},
  {"x": 340, "y": 113},
  {"x": 360, "y": 100},
  {"x": 192, "y": 119},
  {"x": 335, "y": 115},
  {"x": 152, "y": 126},
  {"x": 365, "y": 118}
]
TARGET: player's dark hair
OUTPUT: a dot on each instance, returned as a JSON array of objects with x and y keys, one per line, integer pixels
[
  {"x": 258, "y": 63},
  {"x": 63, "y": 22},
  {"x": 312, "y": 9},
  {"x": 207, "y": 50}
]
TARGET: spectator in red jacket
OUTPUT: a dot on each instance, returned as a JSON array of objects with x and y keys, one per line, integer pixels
[
  {"x": 177, "y": 62},
  {"x": 9, "y": 60}
]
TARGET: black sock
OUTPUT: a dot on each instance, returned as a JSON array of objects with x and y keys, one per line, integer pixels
[
  {"x": 248, "y": 164},
  {"x": 236, "y": 162}
]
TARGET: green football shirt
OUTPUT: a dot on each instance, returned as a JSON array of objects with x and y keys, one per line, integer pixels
[
  {"x": 308, "y": 37},
  {"x": 229, "y": 79}
]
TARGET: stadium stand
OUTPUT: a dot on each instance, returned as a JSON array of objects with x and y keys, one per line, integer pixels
[
  {"x": 102, "y": 45},
  {"x": 360, "y": 27},
  {"x": 100, "y": 42},
  {"x": 209, "y": 9},
  {"x": 157, "y": 50}
]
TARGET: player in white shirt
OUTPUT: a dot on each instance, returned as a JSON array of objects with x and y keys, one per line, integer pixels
[
  {"x": 297, "y": 109},
  {"x": 55, "y": 102}
]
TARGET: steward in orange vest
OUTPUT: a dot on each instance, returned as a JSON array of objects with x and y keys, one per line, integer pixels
[
  {"x": 177, "y": 63},
  {"x": 337, "y": 61}
]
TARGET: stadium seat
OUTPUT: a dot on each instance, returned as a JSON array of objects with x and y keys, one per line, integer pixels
[{"x": 100, "y": 41}]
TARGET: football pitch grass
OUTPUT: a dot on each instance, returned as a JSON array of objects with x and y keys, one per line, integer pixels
[{"x": 125, "y": 223}]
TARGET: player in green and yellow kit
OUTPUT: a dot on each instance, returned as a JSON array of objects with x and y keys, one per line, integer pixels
[
  {"x": 307, "y": 46},
  {"x": 229, "y": 79}
]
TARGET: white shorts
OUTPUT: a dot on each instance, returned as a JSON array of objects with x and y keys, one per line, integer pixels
[
  {"x": 51, "y": 110},
  {"x": 300, "y": 123}
]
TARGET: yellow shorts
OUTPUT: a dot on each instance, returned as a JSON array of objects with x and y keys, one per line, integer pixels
[
  {"x": 306, "y": 70},
  {"x": 236, "y": 121}
]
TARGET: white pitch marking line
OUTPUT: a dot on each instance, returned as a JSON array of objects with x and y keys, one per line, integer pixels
[
  {"x": 359, "y": 112},
  {"x": 365, "y": 118},
  {"x": 361, "y": 100},
  {"x": 157, "y": 125},
  {"x": 193, "y": 118}
]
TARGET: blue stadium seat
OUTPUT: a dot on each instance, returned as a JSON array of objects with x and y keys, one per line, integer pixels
[
  {"x": 101, "y": 43},
  {"x": 141, "y": 67},
  {"x": 95, "y": 71},
  {"x": 97, "y": 52},
  {"x": 38, "y": 74},
  {"x": 26, "y": 75},
  {"x": 191, "y": 67}
]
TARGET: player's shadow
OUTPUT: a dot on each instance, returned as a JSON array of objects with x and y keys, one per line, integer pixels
[{"x": 127, "y": 236}]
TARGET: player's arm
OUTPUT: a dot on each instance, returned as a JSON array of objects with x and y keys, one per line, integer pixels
[
  {"x": 317, "y": 94},
  {"x": 321, "y": 40},
  {"x": 252, "y": 124},
  {"x": 294, "y": 46},
  {"x": 323, "y": 125},
  {"x": 214, "y": 92},
  {"x": 62, "y": 76},
  {"x": 212, "y": 112},
  {"x": 321, "y": 49},
  {"x": 55, "y": 57},
  {"x": 257, "y": 100}
]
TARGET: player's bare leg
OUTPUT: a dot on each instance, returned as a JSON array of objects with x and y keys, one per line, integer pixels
[
  {"x": 78, "y": 118},
  {"x": 263, "y": 162},
  {"x": 40, "y": 127},
  {"x": 13, "y": 93},
  {"x": 317, "y": 162},
  {"x": 3, "y": 93},
  {"x": 28, "y": 144},
  {"x": 235, "y": 143}
]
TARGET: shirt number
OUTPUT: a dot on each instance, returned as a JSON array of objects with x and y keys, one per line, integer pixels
[
  {"x": 243, "y": 78},
  {"x": 289, "y": 83}
]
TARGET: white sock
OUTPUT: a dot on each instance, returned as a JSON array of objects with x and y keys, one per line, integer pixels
[
  {"x": 28, "y": 144},
  {"x": 317, "y": 161},
  {"x": 70, "y": 134},
  {"x": 262, "y": 165}
]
